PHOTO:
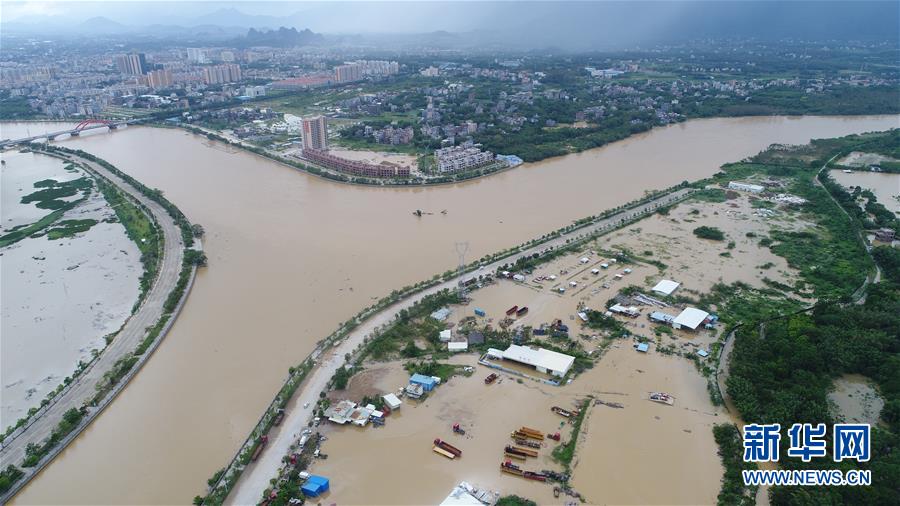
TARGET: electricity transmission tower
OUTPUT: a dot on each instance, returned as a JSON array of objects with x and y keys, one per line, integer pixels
[{"x": 461, "y": 249}]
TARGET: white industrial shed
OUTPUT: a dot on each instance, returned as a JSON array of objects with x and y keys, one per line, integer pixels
[
  {"x": 690, "y": 318},
  {"x": 545, "y": 361},
  {"x": 666, "y": 287},
  {"x": 392, "y": 401}
]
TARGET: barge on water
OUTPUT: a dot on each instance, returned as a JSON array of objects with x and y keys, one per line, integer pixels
[
  {"x": 562, "y": 412},
  {"x": 532, "y": 433},
  {"x": 521, "y": 451},
  {"x": 525, "y": 442},
  {"x": 441, "y": 451},
  {"x": 512, "y": 310},
  {"x": 438, "y": 443},
  {"x": 521, "y": 311}
]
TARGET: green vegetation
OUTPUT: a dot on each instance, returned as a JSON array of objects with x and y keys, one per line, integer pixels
[
  {"x": 34, "y": 453},
  {"x": 434, "y": 368},
  {"x": 514, "y": 500},
  {"x": 731, "y": 450},
  {"x": 49, "y": 198},
  {"x": 713, "y": 195},
  {"x": 711, "y": 233},
  {"x": 410, "y": 324},
  {"x": 151, "y": 193},
  {"x": 8, "y": 478},
  {"x": 68, "y": 228},
  {"x": 139, "y": 227},
  {"x": 786, "y": 357},
  {"x": 599, "y": 321},
  {"x": 565, "y": 452}
]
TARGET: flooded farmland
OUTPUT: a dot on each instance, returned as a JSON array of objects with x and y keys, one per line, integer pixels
[
  {"x": 60, "y": 296},
  {"x": 291, "y": 256}
]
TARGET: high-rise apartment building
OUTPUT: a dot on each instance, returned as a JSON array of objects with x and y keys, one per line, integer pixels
[
  {"x": 348, "y": 73},
  {"x": 159, "y": 78},
  {"x": 218, "y": 74},
  {"x": 197, "y": 55},
  {"x": 133, "y": 64},
  {"x": 315, "y": 133}
]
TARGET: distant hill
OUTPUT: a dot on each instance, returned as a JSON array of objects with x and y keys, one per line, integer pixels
[{"x": 282, "y": 37}]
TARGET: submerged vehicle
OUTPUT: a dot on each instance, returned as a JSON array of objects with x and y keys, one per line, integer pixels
[{"x": 662, "y": 398}]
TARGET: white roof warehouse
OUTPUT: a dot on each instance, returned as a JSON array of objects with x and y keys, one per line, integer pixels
[
  {"x": 690, "y": 318},
  {"x": 545, "y": 361}
]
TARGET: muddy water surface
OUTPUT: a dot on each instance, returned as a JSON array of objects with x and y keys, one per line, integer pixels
[{"x": 292, "y": 255}]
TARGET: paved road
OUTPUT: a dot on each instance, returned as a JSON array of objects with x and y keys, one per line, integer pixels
[
  {"x": 255, "y": 479},
  {"x": 132, "y": 333}
]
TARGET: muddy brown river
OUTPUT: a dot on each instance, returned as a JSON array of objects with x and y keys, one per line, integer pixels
[{"x": 291, "y": 256}]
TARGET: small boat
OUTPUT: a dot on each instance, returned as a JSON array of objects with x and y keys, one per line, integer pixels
[
  {"x": 662, "y": 398},
  {"x": 562, "y": 412},
  {"x": 524, "y": 451},
  {"x": 512, "y": 310},
  {"x": 555, "y": 491},
  {"x": 531, "y": 475},
  {"x": 490, "y": 379},
  {"x": 525, "y": 442},
  {"x": 509, "y": 467},
  {"x": 522, "y": 310}
]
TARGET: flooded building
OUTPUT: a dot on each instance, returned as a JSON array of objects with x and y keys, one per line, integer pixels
[
  {"x": 544, "y": 361},
  {"x": 666, "y": 287},
  {"x": 745, "y": 187},
  {"x": 690, "y": 319}
]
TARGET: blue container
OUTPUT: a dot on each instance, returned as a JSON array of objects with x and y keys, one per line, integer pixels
[{"x": 479, "y": 312}]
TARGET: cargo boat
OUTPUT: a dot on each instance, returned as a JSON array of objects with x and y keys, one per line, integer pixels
[
  {"x": 562, "y": 412},
  {"x": 524, "y": 451},
  {"x": 531, "y": 475},
  {"x": 448, "y": 447},
  {"x": 662, "y": 398},
  {"x": 512, "y": 310},
  {"x": 522, "y": 310},
  {"x": 509, "y": 467},
  {"x": 532, "y": 433},
  {"x": 525, "y": 442},
  {"x": 513, "y": 456},
  {"x": 441, "y": 451}
]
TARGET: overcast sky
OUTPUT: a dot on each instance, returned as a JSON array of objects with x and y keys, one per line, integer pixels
[{"x": 573, "y": 24}]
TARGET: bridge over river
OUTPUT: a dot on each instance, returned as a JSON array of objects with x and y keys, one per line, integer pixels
[{"x": 88, "y": 124}]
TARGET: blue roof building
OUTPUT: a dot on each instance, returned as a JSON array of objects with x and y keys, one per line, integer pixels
[
  {"x": 643, "y": 347},
  {"x": 427, "y": 382},
  {"x": 315, "y": 485}
]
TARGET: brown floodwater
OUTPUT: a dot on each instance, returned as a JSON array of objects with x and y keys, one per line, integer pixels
[{"x": 292, "y": 255}]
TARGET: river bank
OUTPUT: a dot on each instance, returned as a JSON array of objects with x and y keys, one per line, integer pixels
[
  {"x": 340, "y": 177},
  {"x": 297, "y": 290},
  {"x": 61, "y": 295},
  {"x": 48, "y": 432}
]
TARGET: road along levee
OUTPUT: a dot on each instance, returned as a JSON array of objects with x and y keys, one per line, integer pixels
[
  {"x": 253, "y": 479},
  {"x": 84, "y": 387}
]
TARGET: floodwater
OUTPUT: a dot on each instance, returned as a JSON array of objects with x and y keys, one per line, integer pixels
[
  {"x": 855, "y": 399},
  {"x": 59, "y": 297},
  {"x": 292, "y": 255},
  {"x": 886, "y": 187}
]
